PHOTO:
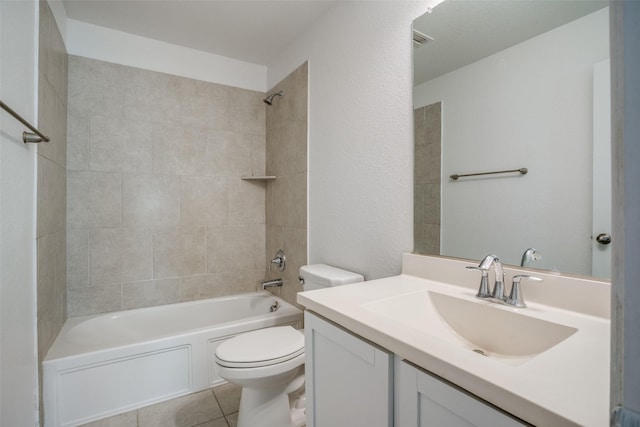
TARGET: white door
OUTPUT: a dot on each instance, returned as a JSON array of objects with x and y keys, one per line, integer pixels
[{"x": 601, "y": 232}]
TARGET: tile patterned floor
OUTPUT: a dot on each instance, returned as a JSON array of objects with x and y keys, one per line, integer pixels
[{"x": 217, "y": 407}]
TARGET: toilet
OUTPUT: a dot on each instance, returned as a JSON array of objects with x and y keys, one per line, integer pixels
[{"x": 268, "y": 363}]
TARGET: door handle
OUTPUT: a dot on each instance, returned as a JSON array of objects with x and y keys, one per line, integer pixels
[{"x": 603, "y": 238}]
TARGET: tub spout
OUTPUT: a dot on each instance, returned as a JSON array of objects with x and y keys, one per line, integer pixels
[{"x": 271, "y": 283}]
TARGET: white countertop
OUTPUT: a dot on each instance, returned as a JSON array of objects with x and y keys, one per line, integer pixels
[{"x": 567, "y": 385}]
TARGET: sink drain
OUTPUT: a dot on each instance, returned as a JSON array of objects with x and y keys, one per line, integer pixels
[{"x": 477, "y": 350}]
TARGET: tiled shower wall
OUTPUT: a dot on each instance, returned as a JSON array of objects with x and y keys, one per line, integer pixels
[
  {"x": 427, "y": 166},
  {"x": 287, "y": 195},
  {"x": 51, "y": 190},
  {"x": 157, "y": 212}
]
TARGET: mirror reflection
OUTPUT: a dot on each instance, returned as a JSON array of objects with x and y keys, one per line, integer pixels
[{"x": 505, "y": 85}]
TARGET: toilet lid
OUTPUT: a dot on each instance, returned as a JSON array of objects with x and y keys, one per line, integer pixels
[{"x": 261, "y": 347}]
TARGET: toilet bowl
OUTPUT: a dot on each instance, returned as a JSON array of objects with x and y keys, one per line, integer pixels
[{"x": 269, "y": 363}]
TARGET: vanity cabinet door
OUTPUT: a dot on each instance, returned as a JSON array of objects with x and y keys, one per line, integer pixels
[
  {"x": 348, "y": 380},
  {"x": 423, "y": 400}
]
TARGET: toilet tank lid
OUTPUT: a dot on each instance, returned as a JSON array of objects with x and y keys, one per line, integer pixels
[{"x": 329, "y": 276}]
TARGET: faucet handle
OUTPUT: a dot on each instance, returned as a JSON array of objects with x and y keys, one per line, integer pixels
[
  {"x": 483, "y": 291},
  {"x": 280, "y": 260},
  {"x": 515, "y": 296}
]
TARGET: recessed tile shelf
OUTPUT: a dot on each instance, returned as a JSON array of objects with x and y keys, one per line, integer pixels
[{"x": 258, "y": 178}]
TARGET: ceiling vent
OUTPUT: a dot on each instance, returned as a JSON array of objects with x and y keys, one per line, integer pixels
[{"x": 420, "y": 39}]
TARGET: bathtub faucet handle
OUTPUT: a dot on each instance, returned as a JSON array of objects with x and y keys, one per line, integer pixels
[{"x": 280, "y": 260}]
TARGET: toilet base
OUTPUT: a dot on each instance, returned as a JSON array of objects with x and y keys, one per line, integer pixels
[{"x": 269, "y": 409}]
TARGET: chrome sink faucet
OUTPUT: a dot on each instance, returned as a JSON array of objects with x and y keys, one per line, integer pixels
[
  {"x": 498, "y": 287},
  {"x": 498, "y": 295}
]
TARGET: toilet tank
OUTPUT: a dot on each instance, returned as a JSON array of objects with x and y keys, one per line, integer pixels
[{"x": 318, "y": 276}]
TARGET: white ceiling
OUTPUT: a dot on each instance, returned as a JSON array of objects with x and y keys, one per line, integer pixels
[
  {"x": 248, "y": 30},
  {"x": 466, "y": 31}
]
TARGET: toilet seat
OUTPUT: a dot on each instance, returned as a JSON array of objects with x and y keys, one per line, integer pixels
[{"x": 263, "y": 347}]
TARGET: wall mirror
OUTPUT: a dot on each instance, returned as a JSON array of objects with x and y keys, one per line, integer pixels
[{"x": 507, "y": 85}]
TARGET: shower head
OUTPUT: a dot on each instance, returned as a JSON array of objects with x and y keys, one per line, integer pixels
[{"x": 269, "y": 99}]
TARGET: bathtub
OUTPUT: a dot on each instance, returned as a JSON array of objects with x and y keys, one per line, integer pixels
[{"x": 106, "y": 364}]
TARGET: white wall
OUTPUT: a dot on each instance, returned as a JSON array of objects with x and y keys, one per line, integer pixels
[
  {"x": 360, "y": 133},
  {"x": 18, "y": 358},
  {"x": 527, "y": 106},
  {"x": 92, "y": 41}
]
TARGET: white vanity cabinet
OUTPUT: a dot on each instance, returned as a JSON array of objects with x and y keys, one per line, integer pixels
[
  {"x": 349, "y": 382},
  {"x": 424, "y": 400}
]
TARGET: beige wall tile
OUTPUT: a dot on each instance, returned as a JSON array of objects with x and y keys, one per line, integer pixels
[
  {"x": 178, "y": 251},
  {"x": 258, "y": 154},
  {"x": 275, "y": 198},
  {"x": 151, "y": 96},
  {"x": 427, "y": 164},
  {"x": 59, "y": 138},
  {"x": 150, "y": 293},
  {"x": 120, "y": 255},
  {"x": 217, "y": 285},
  {"x": 117, "y": 144},
  {"x": 230, "y": 248},
  {"x": 150, "y": 200},
  {"x": 52, "y": 57},
  {"x": 41, "y": 197},
  {"x": 429, "y": 195},
  {"x": 52, "y": 119},
  {"x": 229, "y": 153},
  {"x": 204, "y": 200},
  {"x": 50, "y": 321},
  {"x": 180, "y": 151},
  {"x": 427, "y": 177},
  {"x": 273, "y": 242},
  {"x": 45, "y": 248},
  {"x": 94, "y": 199},
  {"x": 47, "y": 117},
  {"x": 94, "y": 299},
  {"x": 204, "y": 105},
  {"x": 286, "y": 197},
  {"x": 78, "y": 257},
  {"x": 44, "y": 37},
  {"x": 52, "y": 196},
  {"x": 274, "y": 150},
  {"x": 294, "y": 151},
  {"x": 95, "y": 87},
  {"x": 259, "y": 247},
  {"x": 158, "y": 161},
  {"x": 246, "y": 201},
  {"x": 51, "y": 265},
  {"x": 77, "y": 141},
  {"x": 247, "y": 111},
  {"x": 295, "y": 202},
  {"x": 428, "y": 239}
]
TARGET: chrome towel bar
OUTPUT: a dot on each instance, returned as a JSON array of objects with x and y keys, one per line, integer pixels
[
  {"x": 36, "y": 136},
  {"x": 455, "y": 176}
]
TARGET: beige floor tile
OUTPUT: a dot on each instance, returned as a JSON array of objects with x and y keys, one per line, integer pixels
[
  {"x": 128, "y": 419},
  {"x": 228, "y": 396},
  {"x": 220, "y": 422},
  {"x": 186, "y": 411},
  {"x": 232, "y": 420}
]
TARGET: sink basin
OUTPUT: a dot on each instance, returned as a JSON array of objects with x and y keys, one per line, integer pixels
[{"x": 483, "y": 327}]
